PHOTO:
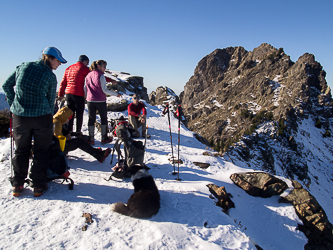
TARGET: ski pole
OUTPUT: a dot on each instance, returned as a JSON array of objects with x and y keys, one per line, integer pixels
[
  {"x": 167, "y": 110},
  {"x": 144, "y": 147},
  {"x": 179, "y": 113},
  {"x": 11, "y": 143}
]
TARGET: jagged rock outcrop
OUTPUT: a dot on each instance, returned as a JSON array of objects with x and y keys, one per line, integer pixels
[
  {"x": 244, "y": 102},
  {"x": 223, "y": 198},
  {"x": 164, "y": 95},
  {"x": 118, "y": 106},
  {"x": 259, "y": 184},
  {"x": 231, "y": 85},
  {"x": 316, "y": 225},
  {"x": 123, "y": 82}
]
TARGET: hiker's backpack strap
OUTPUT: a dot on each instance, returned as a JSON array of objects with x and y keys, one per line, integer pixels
[
  {"x": 116, "y": 147},
  {"x": 71, "y": 183}
]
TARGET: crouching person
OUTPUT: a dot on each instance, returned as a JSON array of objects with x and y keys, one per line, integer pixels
[
  {"x": 137, "y": 116},
  {"x": 59, "y": 119}
]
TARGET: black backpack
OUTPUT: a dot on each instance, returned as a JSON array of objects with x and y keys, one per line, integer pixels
[
  {"x": 134, "y": 152},
  {"x": 58, "y": 167}
]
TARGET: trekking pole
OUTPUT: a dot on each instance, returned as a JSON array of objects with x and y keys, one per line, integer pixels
[
  {"x": 146, "y": 137},
  {"x": 167, "y": 110},
  {"x": 179, "y": 113},
  {"x": 11, "y": 143}
]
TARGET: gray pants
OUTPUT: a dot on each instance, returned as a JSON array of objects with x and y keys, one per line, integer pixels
[{"x": 136, "y": 124}]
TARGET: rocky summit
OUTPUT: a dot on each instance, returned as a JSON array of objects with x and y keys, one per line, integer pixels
[
  {"x": 250, "y": 105},
  {"x": 125, "y": 82}
]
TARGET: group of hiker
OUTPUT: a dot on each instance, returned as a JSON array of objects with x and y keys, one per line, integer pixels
[{"x": 31, "y": 93}]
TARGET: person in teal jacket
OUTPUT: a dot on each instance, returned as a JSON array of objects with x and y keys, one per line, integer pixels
[{"x": 30, "y": 91}]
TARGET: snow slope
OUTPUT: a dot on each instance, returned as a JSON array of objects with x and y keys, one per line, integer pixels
[{"x": 188, "y": 218}]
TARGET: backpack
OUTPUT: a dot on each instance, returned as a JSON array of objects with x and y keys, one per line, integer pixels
[
  {"x": 58, "y": 167},
  {"x": 134, "y": 152},
  {"x": 114, "y": 123}
]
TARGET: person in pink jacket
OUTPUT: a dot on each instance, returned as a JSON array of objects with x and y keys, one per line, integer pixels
[{"x": 96, "y": 91}]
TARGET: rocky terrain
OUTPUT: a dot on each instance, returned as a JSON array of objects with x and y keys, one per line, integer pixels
[
  {"x": 247, "y": 102},
  {"x": 127, "y": 83}
]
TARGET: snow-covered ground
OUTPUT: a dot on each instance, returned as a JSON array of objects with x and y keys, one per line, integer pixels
[{"x": 188, "y": 218}]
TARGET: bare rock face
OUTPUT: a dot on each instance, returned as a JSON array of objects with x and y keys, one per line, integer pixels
[
  {"x": 163, "y": 95},
  {"x": 230, "y": 86},
  {"x": 316, "y": 225},
  {"x": 234, "y": 92},
  {"x": 259, "y": 184},
  {"x": 123, "y": 82},
  {"x": 119, "y": 106}
]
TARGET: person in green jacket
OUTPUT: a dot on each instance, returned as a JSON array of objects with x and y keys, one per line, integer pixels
[{"x": 30, "y": 91}]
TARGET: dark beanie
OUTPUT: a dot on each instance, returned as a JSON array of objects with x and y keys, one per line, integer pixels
[{"x": 83, "y": 58}]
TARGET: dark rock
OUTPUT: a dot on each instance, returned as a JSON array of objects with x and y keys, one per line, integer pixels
[
  {"x": 123, "y": 82},
  {"x": 201, "y": 139},
  {"x": 201, "y": 164},
  {"x": 88, "y": 217},
  {"x": 233, "y": 92},
  {"x": 223, "y": 198},
  {"x": 164, "y": 95},
  {"x": 175, "y": 161},
  {"x": 259, "y": 184},
  {"x": 296, "y": 184},
  {"x": 316, "y": 225},
  {"x": 121, "y": 106}
]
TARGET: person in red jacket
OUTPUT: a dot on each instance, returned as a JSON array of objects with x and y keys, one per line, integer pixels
[
  {"x": 137, "y": 114},
  {"x": 72, "y": 85}
]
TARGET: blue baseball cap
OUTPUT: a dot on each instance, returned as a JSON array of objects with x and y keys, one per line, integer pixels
[{"x": 53, "y": 51}]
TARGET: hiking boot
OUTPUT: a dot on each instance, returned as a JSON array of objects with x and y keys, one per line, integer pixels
[
  {"x": 104, "y": 154},
  {"x": 106, "y": 140},
  {"x": 17, "y": 191},
  {"x": 39, "y": 191}
]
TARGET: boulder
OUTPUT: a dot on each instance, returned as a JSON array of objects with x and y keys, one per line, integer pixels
[
  {"x": 201, "y": 164},
  {"x": 119, "y": 107},
  {"x": 316, "y": 225},
  {"x": 164, "y": 95},
  {"x": 223, "y": 198},
  {"x": 123, "y": 82},
  {"x": 259, "y": 183}
]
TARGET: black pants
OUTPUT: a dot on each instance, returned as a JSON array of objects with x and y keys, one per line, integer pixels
[
  {"x": 76, "y": 143},
  {"x": 24, "y": 130},
  {"x": 76, "y": 104},
  {"x": 102, "y": 110}
]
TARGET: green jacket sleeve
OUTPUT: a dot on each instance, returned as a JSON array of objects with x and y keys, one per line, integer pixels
[{"x": 8, "y": 88}]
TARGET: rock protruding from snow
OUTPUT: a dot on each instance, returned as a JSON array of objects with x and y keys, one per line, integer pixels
[
  {"x": 163, "y": 95},
  {"x": 259, "y": 184},
  {"x": 118, "y": 106},
  {"x": 126, "y": 83},
  {"x": 223, "y": 198},
  {"x": 316, "y": 225}
]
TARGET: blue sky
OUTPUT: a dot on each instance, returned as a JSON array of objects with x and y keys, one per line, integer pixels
[{"x": 163, "y": 41}]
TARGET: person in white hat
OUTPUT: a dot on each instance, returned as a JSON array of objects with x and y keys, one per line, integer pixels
[{"x": 31, "y": 92}]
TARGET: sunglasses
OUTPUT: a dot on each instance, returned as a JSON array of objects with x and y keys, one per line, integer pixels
[{"x": 135, "y": 98}]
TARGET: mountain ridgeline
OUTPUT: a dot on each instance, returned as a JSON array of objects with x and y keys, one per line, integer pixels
[{"x": 248, "y": 105}]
